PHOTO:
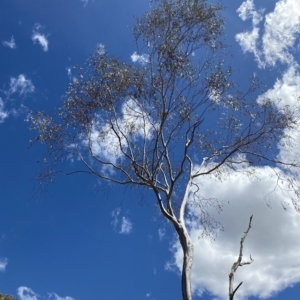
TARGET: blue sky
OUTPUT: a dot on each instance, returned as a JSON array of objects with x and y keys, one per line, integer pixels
[{"x": 89, "y": 240}]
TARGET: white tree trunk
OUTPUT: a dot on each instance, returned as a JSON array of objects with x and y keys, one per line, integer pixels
[{"x": 188, "y": 257}]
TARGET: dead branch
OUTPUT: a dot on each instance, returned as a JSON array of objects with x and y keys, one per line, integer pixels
[{"x": 238, "y": 263}]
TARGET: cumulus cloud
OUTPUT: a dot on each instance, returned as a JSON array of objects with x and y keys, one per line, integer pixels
[
  {"x": 109, "y": 144},
  {"x": 279, "y": 35},
  {"x": 247, "y": 11},
  {"x": 287, "y": 90},
  {"x": 26, "y": 293},
  {"x": 124, "y": 226},
  {"x": 20, "y": 85},
  {"x": 3, "y": 264},
  {"x": 248, "y": 40},
  {"x": 140, "y": 58},
  {"x": 281, "y": 29},
  {"x": 37, "y": 36},
  {"x": 3, "y": 113},
  {"x": 11, "y": 44},
  {"x": 273, "y": 240}
]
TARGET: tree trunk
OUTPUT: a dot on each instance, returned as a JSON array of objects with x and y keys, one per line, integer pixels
[{"x": 188, "y": 257}]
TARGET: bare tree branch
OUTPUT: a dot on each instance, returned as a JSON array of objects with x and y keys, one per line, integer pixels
[
  {"x": 164, "y": 124},
  {"x": 238, "y": 263}
]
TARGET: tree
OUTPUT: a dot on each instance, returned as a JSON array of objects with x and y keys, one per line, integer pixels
[
  {"x": 7, "y": 297},
  {"x": 169, "y": 120}
]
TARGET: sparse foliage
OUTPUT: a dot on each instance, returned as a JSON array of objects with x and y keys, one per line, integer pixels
[
  {"x": 165, "y": 122},
  {"x": 7, "y": 297}
]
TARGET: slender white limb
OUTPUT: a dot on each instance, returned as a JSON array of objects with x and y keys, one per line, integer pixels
[{"x": 238, "y": 263}]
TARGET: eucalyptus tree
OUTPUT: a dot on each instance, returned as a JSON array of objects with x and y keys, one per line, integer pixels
[
  {"x": 7, "y": 297},
  {"x": 167, "y": 120}
]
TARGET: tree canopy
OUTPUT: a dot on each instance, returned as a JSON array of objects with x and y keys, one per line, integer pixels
[
  {"x": 169, "y": 119},
  {"x": 7, "y": 297}
]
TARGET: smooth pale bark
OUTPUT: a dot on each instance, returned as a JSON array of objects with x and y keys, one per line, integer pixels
[{"x": 188, "y": 257}]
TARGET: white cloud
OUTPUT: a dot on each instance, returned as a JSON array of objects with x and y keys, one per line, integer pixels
[
  {"x": 3, "y": 113},
  {"x": 3, "y": 264},
  {"x": 132, "y": 123},
  {"x": 115, "y": 215},
  {"x": 279, "y": 33},
  {"x": 37, "y": 36},
  {"x": 53, "y": 296},
  {"x": 11, "y": 44},
  {"x": 142, "y": 59},
  {"x": 126, "y": 226},
  {"x": 148, "y": 295},
  {"x": 26, "y": 293},
  {"x": 287, "y": 90},
  {"x": 69, "y": 71},
  {"x": 248, "y": 41},
  {"x": 20, "y": 85},
  {"x": 273, "y": 240},
  {"x": 100, "y": 49},
  {"x": 161, "y": 233},
  {"x": 247, "y": 11},
  {"x": 281, "y": 28}
]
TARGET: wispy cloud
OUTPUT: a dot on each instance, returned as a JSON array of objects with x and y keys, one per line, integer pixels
[
  {"x": 126, "y": 226},
  {"x": 53, "y": 296},
  {"x": 37, "y": 36},
  {"x": 69, "y": 72},
  {"x": 3, "y": 112},
  {"x": 85, "y": 2},
  {"x": 20, "y": 85},
  {"x": 161, "y": 233},
  {"x": 11, "y": 44},
  {"x": 115, "y": 215},
  {"x": 26, "y": 293},
  {"x": 3, "y": 261},
  {"x": 123, "y": 226},
  {"x": 279, "y": 34}
]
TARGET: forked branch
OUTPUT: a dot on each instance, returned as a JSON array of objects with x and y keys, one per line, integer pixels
[{"x": 238, "y": 263}]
